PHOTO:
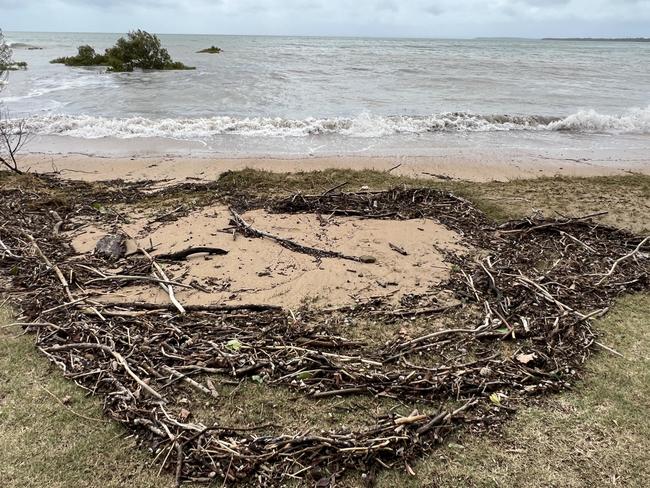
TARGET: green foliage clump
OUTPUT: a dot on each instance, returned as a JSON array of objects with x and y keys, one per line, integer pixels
[
  {"x": 138, "y": 50},
  {"x": 210, "y": 50},
  {"x": 86, "y": 57}
]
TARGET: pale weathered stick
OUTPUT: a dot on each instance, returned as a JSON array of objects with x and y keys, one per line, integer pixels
[
  {"x": 619, "y": 260},
  {"x": 161, "y": 275},
  {"x": 52, "y": 266},
  {"x": 190, "y": 381}
]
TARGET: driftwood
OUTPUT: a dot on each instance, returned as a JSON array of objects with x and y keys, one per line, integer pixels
[
  {"x": 159, "y": 274},
  {"x": 249, "y": 230},
  {"x": 398, "y": 249},
  {"x": 185, "y": 253},
  {"x": 619, "y": 260}
]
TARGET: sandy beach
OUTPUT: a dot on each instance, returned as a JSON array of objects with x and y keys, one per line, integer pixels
[{"x": 471, "y": 167}]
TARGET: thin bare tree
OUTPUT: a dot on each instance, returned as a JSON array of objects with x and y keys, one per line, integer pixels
[{"x": 13, "y": 133}]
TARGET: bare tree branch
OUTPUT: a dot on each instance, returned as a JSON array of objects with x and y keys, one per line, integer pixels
[
  {"x": 13, "y": 137},
  {"x": 13, "y": 133}
]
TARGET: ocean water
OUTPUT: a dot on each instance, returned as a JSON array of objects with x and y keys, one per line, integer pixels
[{"x": 288, "y": 95}]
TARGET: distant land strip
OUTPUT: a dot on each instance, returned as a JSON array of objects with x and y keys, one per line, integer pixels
[{"x": 602, "y": 39}]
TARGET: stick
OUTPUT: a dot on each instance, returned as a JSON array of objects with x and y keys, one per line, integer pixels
[
  {"x": 329, "y": 355},
  {"x": 179, "y": 464},
  {"x": 415, "y": 311},
  {"x": 619, "y": 260},
  {"x": 185, "y": 253},
  {"x": 545, "y": 293},
  {"x": 190, "y": 381},
  {"x": 7, "y": 250},
  {"x": 138, "y": 278},
  {"x": 54, "y": 267},
  {"x": 120, "y": 359},
  {"x": 437, "y": 334},
  {"x": 552, "y": 224},
  {"x": 327, "y": 192},
  {"x": 70, "y": 408},
  {"x": 398, "y": 249},
  {"x": 292, "y": 245},
  {"x": 163, "y": 276},
  {"x": 609, "y": 349}
]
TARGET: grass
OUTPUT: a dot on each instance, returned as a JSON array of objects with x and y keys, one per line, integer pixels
[{"x": 596, "y": 435}]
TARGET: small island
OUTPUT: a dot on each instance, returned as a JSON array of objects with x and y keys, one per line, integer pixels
[
  {"x": 138, "y": 50},
  {"x": 210, "y": 50}
]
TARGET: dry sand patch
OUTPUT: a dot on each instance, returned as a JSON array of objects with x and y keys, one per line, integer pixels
[{"x": 260, "y": 271}]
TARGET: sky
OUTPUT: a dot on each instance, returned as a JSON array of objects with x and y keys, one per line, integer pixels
[{"x": 380, "y": 18}]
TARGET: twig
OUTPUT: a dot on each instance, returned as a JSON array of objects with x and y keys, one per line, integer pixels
[
  {"x": 393, "y": 168},
  {"x": 327, "y": 192},
  {"x": 53, "y": 267},
  {"x": 613, "y": 351},
  {"x": 620, "y": 260},
  {"x": 292, "y": 245},
  {"x": 190, "y": 381},
  {"x": 161, "y": 274},
  {"x": 69, "y": 409}
]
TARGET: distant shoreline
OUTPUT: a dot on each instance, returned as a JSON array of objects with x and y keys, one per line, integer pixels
[{"x": 599, "y": 39}]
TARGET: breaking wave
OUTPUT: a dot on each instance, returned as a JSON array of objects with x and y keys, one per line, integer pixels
[{"x": 636, "y": 121}]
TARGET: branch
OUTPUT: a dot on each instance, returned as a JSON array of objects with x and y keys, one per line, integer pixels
[{"x": 620, "y": 260}]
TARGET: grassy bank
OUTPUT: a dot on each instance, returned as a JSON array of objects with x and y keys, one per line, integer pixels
[{"x": 596, "y": 435}]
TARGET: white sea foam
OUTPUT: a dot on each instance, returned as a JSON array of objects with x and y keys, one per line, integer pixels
[
  {"x": 365, "y": 125},
  {"x": 633, "y": 121}
]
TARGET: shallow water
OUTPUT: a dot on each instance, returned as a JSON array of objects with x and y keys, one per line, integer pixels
[{"x": 287, "y": 95}]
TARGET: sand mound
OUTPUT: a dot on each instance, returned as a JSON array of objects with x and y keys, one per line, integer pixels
[{"x": 260, "y": 271}]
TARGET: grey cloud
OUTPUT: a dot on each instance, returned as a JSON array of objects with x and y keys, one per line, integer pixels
[{"x": 447, "y": 18}]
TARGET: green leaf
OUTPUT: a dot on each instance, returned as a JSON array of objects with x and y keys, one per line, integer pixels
[
  {"x": 99, "y": 207},
  {"x": 257, "y": 379},
  {"x": 234, "y": 345},
  {"x": 305, "y": 375},
  {"x": 503, "y": 330}
]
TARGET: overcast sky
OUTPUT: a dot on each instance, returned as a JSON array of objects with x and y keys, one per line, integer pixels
[{"x": 395, "y": 18}]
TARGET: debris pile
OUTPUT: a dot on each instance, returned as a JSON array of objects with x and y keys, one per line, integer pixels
[{"x": 524, "y": 304}]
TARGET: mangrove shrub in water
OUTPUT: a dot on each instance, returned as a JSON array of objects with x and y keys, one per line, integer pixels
[
  {"x": 138, "y": 50},
  {"x": 210, "y": 50}
]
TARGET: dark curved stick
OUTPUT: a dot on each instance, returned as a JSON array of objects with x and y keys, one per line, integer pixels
[{"x": 184, "y": 254}]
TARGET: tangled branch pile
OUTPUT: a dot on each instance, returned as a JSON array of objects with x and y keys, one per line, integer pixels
[{"x": 526, "y": 298}]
